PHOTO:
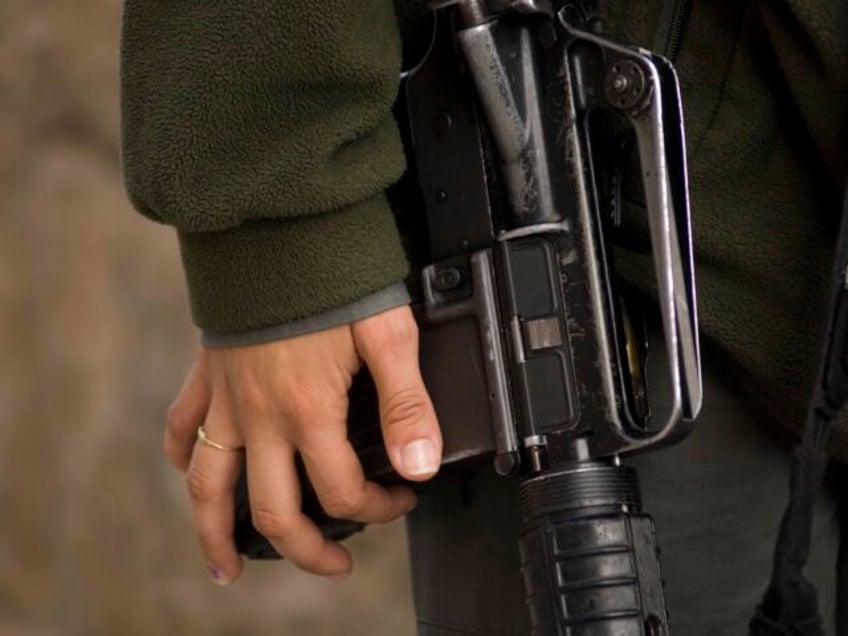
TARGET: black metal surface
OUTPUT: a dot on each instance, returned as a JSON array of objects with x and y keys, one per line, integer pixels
[
  {"x": 523, "y": 345},
  {"x": 624, "y": 85},
  {"x": 543, "y": 378},
  {"x": 589, "y": 556},
  {"x": 445, "y": 135}
]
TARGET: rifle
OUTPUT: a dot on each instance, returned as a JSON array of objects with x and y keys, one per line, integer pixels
[{"x": 527, "y": 350}]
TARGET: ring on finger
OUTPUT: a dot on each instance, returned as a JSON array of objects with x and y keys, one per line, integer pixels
[{"x": 203, "y": 438}]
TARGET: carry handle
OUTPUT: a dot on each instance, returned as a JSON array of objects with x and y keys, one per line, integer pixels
[{"x": 644, "y": 88}]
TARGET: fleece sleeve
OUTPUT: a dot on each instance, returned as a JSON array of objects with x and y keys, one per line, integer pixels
[{"x": 263, "y": 132}]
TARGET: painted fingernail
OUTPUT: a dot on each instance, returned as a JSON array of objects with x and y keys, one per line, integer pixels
[
  {"x": 217, "y": 575},
  {"x": 419, "y": 457}
]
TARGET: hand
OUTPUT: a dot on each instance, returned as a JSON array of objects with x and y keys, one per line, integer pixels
[{"x": 287, "y": 397}]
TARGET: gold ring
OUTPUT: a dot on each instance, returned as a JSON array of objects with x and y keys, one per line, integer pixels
[{"x": 203, "y": 439}]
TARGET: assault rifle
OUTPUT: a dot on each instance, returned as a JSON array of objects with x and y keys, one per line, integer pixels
[{"x": 526, "y": 346}]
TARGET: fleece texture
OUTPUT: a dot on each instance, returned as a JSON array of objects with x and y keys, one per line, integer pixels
[
  {"x": 263, "y": 132},
  {"x": 765, "y": 93}
]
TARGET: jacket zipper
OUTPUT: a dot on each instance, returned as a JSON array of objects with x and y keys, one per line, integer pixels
[{"x": 676, "y": 28}]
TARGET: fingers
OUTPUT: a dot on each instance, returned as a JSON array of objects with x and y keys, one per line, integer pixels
[
  {"x": 287, "y": 397},
  {"x": 317, "y": 428},
  {"x": 186, "y": 414},
  {"x": 211, "y": 478},
  {"x": 388, "y": 343},
  {"x": 275, "y": 506},
  {"x": 336, "y": 475}
]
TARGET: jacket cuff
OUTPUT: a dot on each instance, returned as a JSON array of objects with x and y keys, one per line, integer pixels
[
  {"x": 271, "y": 272},
  {"x": 383, "y": 300}
]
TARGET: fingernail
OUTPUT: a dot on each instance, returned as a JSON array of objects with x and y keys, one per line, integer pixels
[
  {"x": 419, "y": 457},
  {"x": 340, "y": 577},
  {"x": 217, "y": 575}
]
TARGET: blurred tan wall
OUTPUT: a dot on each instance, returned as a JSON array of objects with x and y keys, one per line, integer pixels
[{"x": 94, "y": 338}]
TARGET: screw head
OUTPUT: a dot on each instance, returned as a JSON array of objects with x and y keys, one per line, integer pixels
[
  {"x": 625, "y": 85},
  {"x": 447, "y": 279},
  {"x": 620, "y": 84}
]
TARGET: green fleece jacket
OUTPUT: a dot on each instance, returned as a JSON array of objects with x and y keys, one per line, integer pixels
[{"x": 262, "y": 131}]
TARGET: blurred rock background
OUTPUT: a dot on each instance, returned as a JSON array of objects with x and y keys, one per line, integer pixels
[{"x": 95, "y": 336}]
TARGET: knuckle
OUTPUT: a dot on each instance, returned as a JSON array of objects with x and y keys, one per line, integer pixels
[
  {"x": 300, "y": 400},
  {"x": 270, "y": 524},
  {"x": 407, "y": 406},
  {"x": 298, "y": 403},
  {"x": 389, "y": 335},
  {"x": 345, "y": 505},
  {"x": 399, "y": 333},
  {"x": 249, "y": 394},
  {"x": 200, "y": 486},
  {"x": 176, "y": 419}
]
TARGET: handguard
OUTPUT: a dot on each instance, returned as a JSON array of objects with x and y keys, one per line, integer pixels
[{"x": 527, "y": 351}]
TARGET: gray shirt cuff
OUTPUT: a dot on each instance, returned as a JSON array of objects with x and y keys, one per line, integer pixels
[{"x": 385, "y": 299}]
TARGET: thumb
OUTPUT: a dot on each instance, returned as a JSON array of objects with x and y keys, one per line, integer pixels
[{"x": 388, "y": 343}]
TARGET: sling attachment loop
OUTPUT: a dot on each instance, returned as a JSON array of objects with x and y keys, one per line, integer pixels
[{"x": 790, "y": 606}]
